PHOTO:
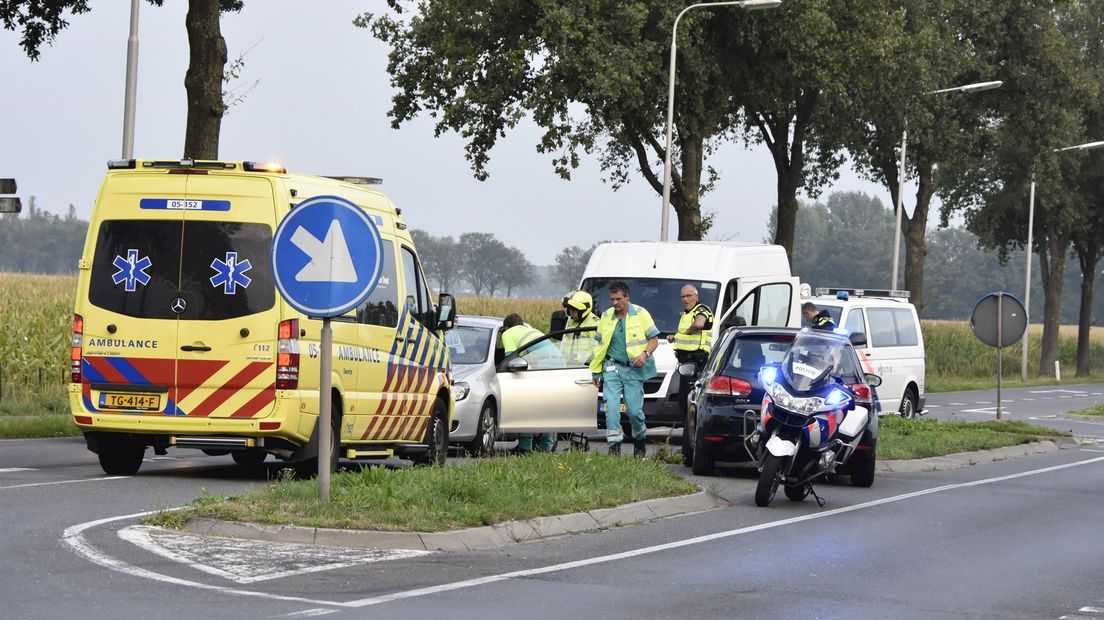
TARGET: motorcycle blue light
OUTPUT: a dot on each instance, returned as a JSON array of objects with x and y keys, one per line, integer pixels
[
  {"x": 835, "y": 397},
  {"x": 768, "y": 375}
]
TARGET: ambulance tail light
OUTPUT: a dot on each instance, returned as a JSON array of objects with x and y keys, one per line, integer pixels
[
  {"x": 287, "y": 355},
  {"x": 76, "y": 349}
]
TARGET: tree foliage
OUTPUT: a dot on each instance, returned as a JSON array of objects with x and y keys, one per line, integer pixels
[
  {"x": 571, "y": 262},
  {"x": 38, "y": 241}
]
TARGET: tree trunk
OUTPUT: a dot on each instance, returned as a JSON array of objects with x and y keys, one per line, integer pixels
[
  {"x": 1052, "y": 267},
  {"x": 787, "y": 212},
  {"x": 688, "y": 207},
  {"x": 1088, "y": 255},
  {"x": 203, "y": 81},
  {"x": 915, "y": 230}
]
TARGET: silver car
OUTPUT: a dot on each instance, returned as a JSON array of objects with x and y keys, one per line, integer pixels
[{"x": 498, "y": 397}]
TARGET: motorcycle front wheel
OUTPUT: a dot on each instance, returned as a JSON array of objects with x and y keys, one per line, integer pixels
[{"x": 768, "y": 480}]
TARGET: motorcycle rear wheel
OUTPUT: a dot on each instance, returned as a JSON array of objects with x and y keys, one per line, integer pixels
[
  {"x": 768, "y": 480},
  {"x": 796, "y": 492}
]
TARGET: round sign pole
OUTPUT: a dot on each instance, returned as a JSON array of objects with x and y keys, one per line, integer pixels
[
  {"x": 325, "y": 414},
  {"x": 999, "y": 320},
  {"x": 1000, "y": 350}
]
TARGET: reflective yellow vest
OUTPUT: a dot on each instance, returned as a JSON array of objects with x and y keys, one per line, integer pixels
[
  {"x": 518, "y": 336},
  {"x": 701, "y": 340},
  {"x": 576, "y": 348},
  {"x": 638, "y": 323}
]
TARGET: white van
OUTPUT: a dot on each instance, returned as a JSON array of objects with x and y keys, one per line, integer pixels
[
  {"x": 894, "y": 342},
  {"x": 744, "y": 284}
]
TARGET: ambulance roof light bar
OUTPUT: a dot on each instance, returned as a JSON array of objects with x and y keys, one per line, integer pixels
[
  {"x": 862, "y": 292},
  {"x": 356, "y": 180}
]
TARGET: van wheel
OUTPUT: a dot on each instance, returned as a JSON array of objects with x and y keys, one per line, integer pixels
[
  {"x": 483, "y": 444},
  {"x": 308, "y": 468},
  {"x": 249, "y": 457},
  {"x": 120, "y": 457},
  {"x": 436, "y": 438},
  {"x": 908, "y": 404}
]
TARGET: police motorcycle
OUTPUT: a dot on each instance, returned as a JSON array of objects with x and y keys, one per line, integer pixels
[{"x": 810, "y": 421}]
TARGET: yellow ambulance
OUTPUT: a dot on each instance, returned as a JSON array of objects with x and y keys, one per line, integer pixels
[{"x": 180, "y": 338}]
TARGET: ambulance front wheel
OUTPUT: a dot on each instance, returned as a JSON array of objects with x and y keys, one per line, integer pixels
[
  {"x": 121, "y": 457},
  {"x": 436, "y": 437}
]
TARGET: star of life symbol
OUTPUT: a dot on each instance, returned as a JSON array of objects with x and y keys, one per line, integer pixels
[
  {"x": 230, "y": 273},
  {"x": 132, "y": 270}
]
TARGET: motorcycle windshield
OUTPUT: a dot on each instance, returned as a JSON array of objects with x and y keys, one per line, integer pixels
[{"x": 812, "y": 361}]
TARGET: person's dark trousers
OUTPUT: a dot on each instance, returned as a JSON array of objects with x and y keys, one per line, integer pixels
[{"x": 686, "y": 384}]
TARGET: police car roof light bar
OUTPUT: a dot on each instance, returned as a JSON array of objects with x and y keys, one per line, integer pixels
[{"x": 863, "y": 292}]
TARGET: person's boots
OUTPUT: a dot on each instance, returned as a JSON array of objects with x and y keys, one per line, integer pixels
[
  {"x": 615, "y": 449},
  {"x": 640, "y": 449}
]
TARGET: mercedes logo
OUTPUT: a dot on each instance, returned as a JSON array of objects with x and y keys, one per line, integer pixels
[{"x": 178, "y": 305}]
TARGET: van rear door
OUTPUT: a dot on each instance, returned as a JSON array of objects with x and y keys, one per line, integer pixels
[
  {"x": 128, "y": 361},
  {"x": 227, "y": 330}
]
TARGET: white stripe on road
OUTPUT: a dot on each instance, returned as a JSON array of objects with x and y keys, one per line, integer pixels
[
  {"x": 957, "y": 404},
  {"x": 43, "y": 484},
  {"x": 8, "y": 470},
  {"x": 307, "y": 613},
  {"x": 1092, "y": 610},
  {"x": 74, "y": 537}
]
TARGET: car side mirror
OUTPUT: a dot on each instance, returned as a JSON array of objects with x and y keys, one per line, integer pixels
[
  {"x": 517, "y": 364},
  {"x": 446, "y": 312},
  {"x": 687, "y": 370},
  {"x": 872, "y": 380},
  {"x": 858, "y": 339}
]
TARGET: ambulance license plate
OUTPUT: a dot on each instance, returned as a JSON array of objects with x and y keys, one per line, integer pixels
[{"x": 131, "y": 402}]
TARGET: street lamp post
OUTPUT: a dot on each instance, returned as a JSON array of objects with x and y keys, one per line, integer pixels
[
  {"x": 1030, "y": 229},
  {"x": 130, "y": 96},
  {"x": 967, "y": 88},
  {"x": 750, "y": 5}
]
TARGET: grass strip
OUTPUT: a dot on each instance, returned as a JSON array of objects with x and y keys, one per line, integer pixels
[
  {"x": 899, "y": 438},
  {"x": 433, "y": 499},
  {"x": 1097, "y": 410},
  {"x": 27, "y": 427}
]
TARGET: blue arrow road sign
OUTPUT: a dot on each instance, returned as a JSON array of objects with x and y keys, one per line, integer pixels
[{"x": 326, "y": 256}]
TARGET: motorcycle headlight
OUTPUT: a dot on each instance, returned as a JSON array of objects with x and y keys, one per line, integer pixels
[
  {"x": 460, "y": 391},
  {"x": 798, "y": 404}
]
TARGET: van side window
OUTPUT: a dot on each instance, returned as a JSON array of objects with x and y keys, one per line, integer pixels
[
  {"x": 892, "y": 327},
  {"x": 417, "y": 295},
  {"x": 382, "y": 306}
]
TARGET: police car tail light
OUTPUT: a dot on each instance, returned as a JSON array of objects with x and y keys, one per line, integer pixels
[
  {"x": 287, "y": 355},
  {"x": 727, "y": 386},
  {"x": 76, "y": 349}
]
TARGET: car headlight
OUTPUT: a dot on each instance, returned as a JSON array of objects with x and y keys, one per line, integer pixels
[{"x": 460, "y": 391}]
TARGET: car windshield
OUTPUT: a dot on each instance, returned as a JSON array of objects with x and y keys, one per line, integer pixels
[
  {"x": 469, "y": 345},
  {"x": 659, "y": 296}
]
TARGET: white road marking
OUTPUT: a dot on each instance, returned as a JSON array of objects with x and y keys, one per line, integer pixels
[
  {"x": 74, "y": 537},
  {"x": 1027, "y": 400},
  {"x": 982, "y": 402},
  {"x": 1058, "y": 391},
  {"x": 1092, "y": 610},
  {"x": 8, "y": 470},
  {"x": 250, "y": 561},
  {"x": 307, "y": 613},
  {"x": 43, "y": 484},
  {"x": 933, "y": 406},
  {"x": 1091, "y": 450},
  {"x": 957, "y": 404}
]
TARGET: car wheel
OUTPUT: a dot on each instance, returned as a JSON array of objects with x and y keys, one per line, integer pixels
[
  {"x": 687, "y": 440},
  {"x": 483, "y": 444},
  {"x": 909, "y": 404},
  {"x": 121, "y": 457},
  {"x": 702, "y": 465},
  {"x": 768, "y": 480},
  {"x": 249, "y": 457},
  {"x": 863, "y": 473},
  {"x": 308, "y": 468},
  {"x": 436, "y": 438}
]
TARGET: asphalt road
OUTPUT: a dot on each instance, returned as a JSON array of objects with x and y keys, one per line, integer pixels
[
  {"x": 1011, "y": 539},
  {"x": 1043, "y": 405}
]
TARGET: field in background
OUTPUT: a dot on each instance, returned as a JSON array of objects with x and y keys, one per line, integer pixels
[{"x": 36, "y": 322}]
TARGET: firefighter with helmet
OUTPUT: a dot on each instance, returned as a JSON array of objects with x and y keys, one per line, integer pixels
[{"x": 577, "y": 347}]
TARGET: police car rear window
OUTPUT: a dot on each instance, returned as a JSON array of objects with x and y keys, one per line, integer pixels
[{"x": 166, "y": 269}]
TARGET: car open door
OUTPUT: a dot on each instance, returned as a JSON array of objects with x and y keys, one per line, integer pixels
[{"x": 546, "y": 387}]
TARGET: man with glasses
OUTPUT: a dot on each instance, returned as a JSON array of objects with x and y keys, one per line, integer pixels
[{"x": 693, "y": 340}]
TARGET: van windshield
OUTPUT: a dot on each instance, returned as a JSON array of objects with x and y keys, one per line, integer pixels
[
  {"x": 219, "y": 269},
  {"x": 659, "y": 296}
]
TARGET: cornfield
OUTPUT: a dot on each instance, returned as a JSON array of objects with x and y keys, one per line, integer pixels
[{"x": 36, "y": 321}]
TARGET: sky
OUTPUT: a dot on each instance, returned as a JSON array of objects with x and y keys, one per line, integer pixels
[{"x": 321, "y": 107}]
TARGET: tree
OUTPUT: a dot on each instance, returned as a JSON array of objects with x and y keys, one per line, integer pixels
[
  {"x": 42, "y": 20},
  {"x": 571, "y": 262},
  {"x": 517, "y": 271},
  {"x": 590, "y": 73},
  {"x": 481, "y": 260},
  {"x": 805, "y": 62},
  {"x": 941, "y": 126},
  {"x": 440, "y": 257},
  {"x": 1047, "y": 79}
]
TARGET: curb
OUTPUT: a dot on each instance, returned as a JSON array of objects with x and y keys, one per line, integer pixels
[
  {"x": 966, "y": 459},
  {"x": 470, "y": 539}
]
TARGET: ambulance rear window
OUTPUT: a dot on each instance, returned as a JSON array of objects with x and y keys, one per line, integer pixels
[{"x": 218, "y": 270}]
